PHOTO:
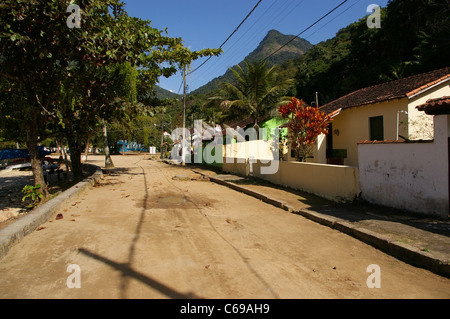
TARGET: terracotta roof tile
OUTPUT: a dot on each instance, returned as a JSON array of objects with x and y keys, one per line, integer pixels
[
  {"x": 436, "y": 106},
  {"x": 388, "y": 91}
]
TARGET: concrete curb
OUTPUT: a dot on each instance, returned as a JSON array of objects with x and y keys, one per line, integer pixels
[
  {"x": 399, "y": 250},
  {"x": 14, "y": 233}
]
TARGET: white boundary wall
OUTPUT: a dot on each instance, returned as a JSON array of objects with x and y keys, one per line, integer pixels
[{"x": 410, "y": 176}]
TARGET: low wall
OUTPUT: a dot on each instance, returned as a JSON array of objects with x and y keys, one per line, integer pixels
[
  {"x": 238, "y": 166},
  {"x": 404, "y": 176},
  {"x": 334, "y": 182},
  {"x": 411, "y": 176}
]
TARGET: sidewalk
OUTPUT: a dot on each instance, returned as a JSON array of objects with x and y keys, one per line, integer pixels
[{"x": 417, "y": 240}]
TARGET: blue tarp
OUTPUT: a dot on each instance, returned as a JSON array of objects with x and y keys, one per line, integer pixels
[
  {"x": 132, "y": 146},
  {"x": 12, "y": 153}
]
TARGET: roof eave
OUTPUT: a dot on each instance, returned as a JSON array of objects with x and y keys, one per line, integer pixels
[{"x": 427, "y": 87}]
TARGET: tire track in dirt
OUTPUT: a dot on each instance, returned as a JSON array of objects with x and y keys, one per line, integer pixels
[{"x": 207, "y": 241}]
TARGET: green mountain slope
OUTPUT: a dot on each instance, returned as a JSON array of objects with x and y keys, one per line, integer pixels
[
  {"x": 409, "y": 42},
  {"x": 271, "y": 42},
  {"x": 163, "y": 93}
]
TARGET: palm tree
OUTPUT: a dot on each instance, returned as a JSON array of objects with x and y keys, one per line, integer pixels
[{"x": 256, "y": 93}]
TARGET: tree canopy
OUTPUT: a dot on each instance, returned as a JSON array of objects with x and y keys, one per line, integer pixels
[
  {"x": 413, "y": 38},
  {"x": 304, "y": 125},
  {"x": 255, "y": 93},
  {"x": 60, "y": 71}
]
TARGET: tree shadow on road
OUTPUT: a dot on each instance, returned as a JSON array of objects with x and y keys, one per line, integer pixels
[
  {"x": 126, "y": 269},
  {"x": 129, "y": 272}
]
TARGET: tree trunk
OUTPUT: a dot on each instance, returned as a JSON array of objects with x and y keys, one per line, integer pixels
[
  {"x": 256, "y": 127},
  {"x": 75, "y": 157},
  {"x": 303, "y": 151},
  {"x": 108, "y": 160},
  {"x": 86, "y": 149},
  {"x": 64, "y": 154},
  {"x": 32, "y": 145}
]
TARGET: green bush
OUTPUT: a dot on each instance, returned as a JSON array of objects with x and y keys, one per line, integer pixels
[{"x": 33, "y": 193}]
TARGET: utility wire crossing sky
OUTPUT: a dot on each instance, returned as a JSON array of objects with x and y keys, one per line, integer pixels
[{"x": 238, "y": 26}]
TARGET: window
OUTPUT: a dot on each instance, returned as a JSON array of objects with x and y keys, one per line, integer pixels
[{"x": 376, "y": 128}]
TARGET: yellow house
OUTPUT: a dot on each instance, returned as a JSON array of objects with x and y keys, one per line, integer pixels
[{"x": 382, "y": 112}]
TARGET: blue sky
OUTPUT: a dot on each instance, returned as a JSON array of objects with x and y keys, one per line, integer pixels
[{"x": 207, "y": 23}]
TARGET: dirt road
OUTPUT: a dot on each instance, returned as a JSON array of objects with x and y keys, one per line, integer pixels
[{"x": 143, "y": 234}]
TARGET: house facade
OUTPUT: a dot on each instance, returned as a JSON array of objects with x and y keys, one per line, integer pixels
[
  {"x": 410, "y": 175},
  {"x": 382, "y": 112}
]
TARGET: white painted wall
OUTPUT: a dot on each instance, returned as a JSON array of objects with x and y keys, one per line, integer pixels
[
  {"x": 420, "y": 125},
  {"x": 257, "y": 149},
  {"x": 409, "y": 176}
]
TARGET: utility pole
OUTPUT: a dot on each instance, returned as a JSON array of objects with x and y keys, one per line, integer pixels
[
  {"x": 192, "y": 139},
  {"x": 184, "y": 118},
  {"x": 162, "y": 134}
]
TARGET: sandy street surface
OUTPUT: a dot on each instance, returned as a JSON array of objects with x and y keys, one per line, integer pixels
[{"x": 143, "y": 234}]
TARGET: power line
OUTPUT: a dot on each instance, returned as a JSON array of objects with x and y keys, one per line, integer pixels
[
  {"x": 229, "y": 50},
  {"x": 297, "y": 5},
  {"x": 306, "y": 29},
  {"x": 317, "y": 21},
  {"x": 232, "y": 52},
  {"x": 248, "y": 15},
  {"x": 357, "y": 1}
]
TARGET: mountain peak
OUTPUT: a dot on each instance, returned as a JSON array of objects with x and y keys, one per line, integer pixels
[
  {"x": 273, "y": 32},
  {"x": 271, "y": 42}
]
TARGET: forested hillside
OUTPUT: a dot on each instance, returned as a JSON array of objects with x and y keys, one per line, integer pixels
[{"x": 413, "y": 38}]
